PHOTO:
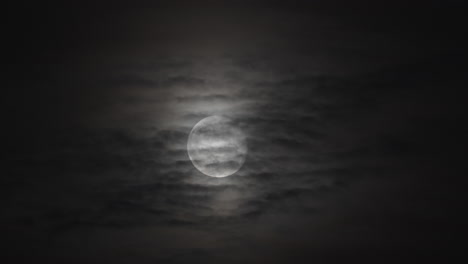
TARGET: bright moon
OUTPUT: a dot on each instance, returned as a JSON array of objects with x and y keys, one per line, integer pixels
[{"x": 216, "y": 147}]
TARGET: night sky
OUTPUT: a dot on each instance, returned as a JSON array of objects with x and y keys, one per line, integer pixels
[{"x": 352, "y": 111}]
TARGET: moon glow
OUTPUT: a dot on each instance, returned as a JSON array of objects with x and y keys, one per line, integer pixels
[{"x": 217, "y": 147}]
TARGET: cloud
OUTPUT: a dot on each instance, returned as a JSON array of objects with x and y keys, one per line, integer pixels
[
  {"x": 205, "y": 98},
  {"x": 149, "y": 180},
  {"x": 183, "y": 81}
]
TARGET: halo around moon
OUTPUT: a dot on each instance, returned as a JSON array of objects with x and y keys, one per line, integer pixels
[{"x": 217, "y": 147}]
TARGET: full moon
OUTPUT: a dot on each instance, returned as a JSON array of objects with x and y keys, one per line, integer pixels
[{"x": 217, "y": 147}]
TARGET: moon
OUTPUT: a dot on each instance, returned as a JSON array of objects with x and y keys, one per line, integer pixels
[{"x": 217, "y": 147}]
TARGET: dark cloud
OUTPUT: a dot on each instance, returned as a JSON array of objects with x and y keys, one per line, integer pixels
[
  {"x": 205, "y": 99},
  {"x": 184, "y": 80},
  {"x": 351, "y": 111}
]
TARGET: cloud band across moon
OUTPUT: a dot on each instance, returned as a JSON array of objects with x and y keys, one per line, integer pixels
[{"x": 216, "y": 147}]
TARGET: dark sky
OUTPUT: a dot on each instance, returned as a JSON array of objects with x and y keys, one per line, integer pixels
[{"x": 353, "y": 114}]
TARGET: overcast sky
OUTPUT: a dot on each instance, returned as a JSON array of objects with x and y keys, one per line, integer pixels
[{"x": 351, "y": 113}]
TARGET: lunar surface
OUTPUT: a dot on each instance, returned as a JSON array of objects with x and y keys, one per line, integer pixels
[{"x": 217, "y": 147}]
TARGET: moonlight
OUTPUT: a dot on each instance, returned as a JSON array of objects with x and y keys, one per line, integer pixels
[{"x": 217, "y": 147}]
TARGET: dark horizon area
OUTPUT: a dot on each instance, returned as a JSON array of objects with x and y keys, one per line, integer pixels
[{"x": 353, "y": 114}]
